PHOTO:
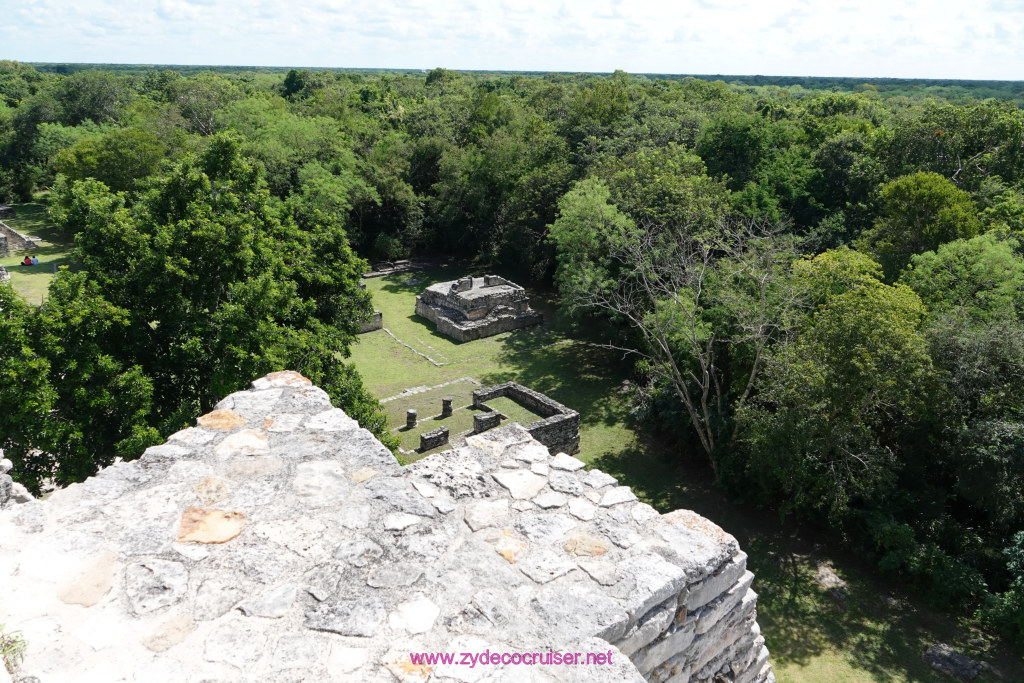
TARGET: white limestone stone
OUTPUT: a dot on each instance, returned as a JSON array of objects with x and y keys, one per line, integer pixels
[
  {"x": 582, "y": 509},
  {"x": 486, "y": 513},
  {"x": 320, "y": 483},
  {"x": 245, "y": 442},
  {"x": 334, "y": 420},
  {"x": 619, "y": 494},
  {"x": 544, "y": 566},
  {"x": 566, "y": 462},
  {"x": 599, "y": 479},
  {"x": 550, "y": 499},
  {"x": 521, "y": 484},
  {"x": 284, "y": 423},
  {"x": 272, "y": 605},
  {"x": 415, "y": 616},
  {"x": 397, "y": 521}
]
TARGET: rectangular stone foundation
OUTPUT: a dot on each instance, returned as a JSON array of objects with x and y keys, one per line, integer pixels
[{"x": 559, "y": 430}]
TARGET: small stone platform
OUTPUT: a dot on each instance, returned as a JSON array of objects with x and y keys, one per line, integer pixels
[{"x": 476, "y": 307}]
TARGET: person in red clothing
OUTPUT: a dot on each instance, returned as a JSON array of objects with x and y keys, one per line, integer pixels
[{"x": 27, "y": 261}]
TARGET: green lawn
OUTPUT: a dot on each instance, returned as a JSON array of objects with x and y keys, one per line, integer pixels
[
  {"x": 31, "y": 282},
  {"x": 811, "y": 638},
  {"x": 513, "y": 411}
]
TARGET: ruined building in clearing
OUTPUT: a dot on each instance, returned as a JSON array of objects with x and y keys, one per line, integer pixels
[{"x": 476, "y": 307}]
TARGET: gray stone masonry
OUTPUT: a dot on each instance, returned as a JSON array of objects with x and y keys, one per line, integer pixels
[
  {"x": 4, "y": 249},
  {"x": 7, "y": 211},
  {"x": 559, "y": 428},
  {"x": 375, "y": 322},
  {"x": 411, "y": 418},
  {"x": 278, "y": 541},
  {"x": 476, "y": 307},
  {"x": 15, "y": 240},
  {"x": 446, "y": 407},
  {"x": 4, "y": 275},
  {"x": 484, "y": 421},
  {"x": 434, "y": 438}
]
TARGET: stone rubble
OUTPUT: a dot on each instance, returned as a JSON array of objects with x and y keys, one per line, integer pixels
[{"x": 278, "y": 541}]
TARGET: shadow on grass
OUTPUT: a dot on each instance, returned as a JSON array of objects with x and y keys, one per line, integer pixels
[
  {"x": 578, "y": 376},
  {"x": 874, "y": 632},
  {"x": 415, "y": 281}
]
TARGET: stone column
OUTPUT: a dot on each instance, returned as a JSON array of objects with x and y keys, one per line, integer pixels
[
  {"x": 410, "y": 418},
  {"x": 446, "y": 407}
]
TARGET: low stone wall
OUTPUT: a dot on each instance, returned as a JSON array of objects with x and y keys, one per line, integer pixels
[
  {"x": 374, "y": 323},
  {"x": 484, "y": 421},
  {"x": 433, "y": 439},
  {"x": 4, "y": 249},
  {"x": 559, "y": 430},
  {"x": 6, "y": 211},
  {"x": 4, "y": 275},
  {"x": 15, "y": 240},
  {"x": 278, "y": 541}
]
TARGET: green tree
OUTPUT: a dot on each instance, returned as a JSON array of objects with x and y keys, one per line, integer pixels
[
  {"x": 116, "y": 158},
  {"x": 919, "y": 212},
  {"x": 222, "y": 286},
  {"x": 26, "y": 394},
  {"x": 101, "y": 402},
  {"x": 833, "y": 404}
]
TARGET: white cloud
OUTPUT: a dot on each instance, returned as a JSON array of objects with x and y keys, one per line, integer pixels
[{"x": 936, "y": 39}]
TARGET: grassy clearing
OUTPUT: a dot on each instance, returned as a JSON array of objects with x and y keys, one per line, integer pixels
[
  {"x": 513, "y": 411},
  {"x": 544, "y": 358},
  {"x": 459, "y": 423},
  {"x": 31, "y": 282},
  {"x": 428, "y": 403}
]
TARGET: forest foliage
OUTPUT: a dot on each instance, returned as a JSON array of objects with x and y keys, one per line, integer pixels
[{"x": 822, "y": 283}]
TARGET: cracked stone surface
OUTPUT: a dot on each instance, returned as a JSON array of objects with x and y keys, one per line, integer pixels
[{"x": 277, "y": 540}]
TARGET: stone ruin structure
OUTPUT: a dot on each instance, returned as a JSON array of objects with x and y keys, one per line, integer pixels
[
  {"x": 375, "y": 322},
  {"x": 4, "y": 275},
  {"x": 559, "y": 427},
  {"x": 7, "y": 211},
  {"x": 435, "y": 438},
  {"x": 476, "y": 307},
  {"x": 5, "y": 250},
  {"x": 278, "y": 541},
  {"x": 15, "y": 240}
]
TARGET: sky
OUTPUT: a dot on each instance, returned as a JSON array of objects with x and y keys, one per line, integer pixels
[{"x": 978, "y": 39}]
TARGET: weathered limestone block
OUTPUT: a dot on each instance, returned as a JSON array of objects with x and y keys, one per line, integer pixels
[
  {"x": 411, "y": 418},
  {"x": 288, "y": 544},
  {"x": 446, "y": 407}
]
